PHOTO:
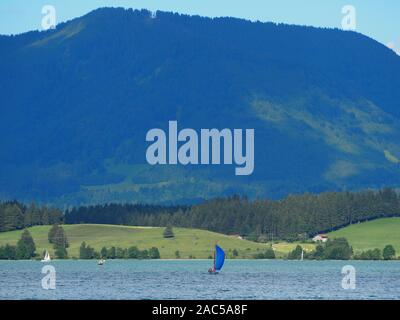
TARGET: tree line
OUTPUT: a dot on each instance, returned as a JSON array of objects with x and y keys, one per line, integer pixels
[
  {"x": 87, "y": 252},
  {"x": 296, "y": 217},
  {"x": 15, "y": 216},
  {"x": 121, "y": 214},
  {"x": 340, "y": 249}
]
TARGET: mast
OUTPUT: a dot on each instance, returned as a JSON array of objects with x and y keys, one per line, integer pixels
[{"x": 214, "y": 259}]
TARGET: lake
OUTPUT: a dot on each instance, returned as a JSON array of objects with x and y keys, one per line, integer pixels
[{"x": 188, "y": 279}]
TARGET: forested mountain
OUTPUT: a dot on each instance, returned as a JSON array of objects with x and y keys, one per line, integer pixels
[
  {"x": 76, "y": 103},
  {"x": 294, "y": 217}
]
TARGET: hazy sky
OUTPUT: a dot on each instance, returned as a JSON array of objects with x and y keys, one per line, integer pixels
[{"x": 375, "y": 18}]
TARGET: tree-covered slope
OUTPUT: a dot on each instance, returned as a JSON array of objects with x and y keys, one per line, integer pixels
[
  {"x": 297, "y": 217},
  {"x": 76, "y": 103}
]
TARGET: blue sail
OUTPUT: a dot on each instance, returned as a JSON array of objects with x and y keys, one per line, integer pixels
[{"x": 219, "y": 258}]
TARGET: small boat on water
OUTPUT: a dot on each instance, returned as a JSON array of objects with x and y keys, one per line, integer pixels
[
  {"x": 219, "y": 259},
  {"x": 46, "y": 257},
  {"x": 101, "y": 262}
]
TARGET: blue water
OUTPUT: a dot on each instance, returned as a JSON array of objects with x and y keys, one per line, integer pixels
[{"x": 188, "y": 279}]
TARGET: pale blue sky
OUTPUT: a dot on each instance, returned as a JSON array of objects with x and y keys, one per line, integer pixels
[{"x": 375, "y": 18}]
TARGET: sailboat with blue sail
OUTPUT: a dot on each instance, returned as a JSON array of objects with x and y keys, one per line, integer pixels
[{"x": 219, "y": 259}]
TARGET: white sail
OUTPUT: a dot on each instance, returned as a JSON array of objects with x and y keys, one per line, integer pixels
[{"x": 46, "y": 257}]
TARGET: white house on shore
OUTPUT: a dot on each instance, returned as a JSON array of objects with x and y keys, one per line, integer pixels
[{"x": 320, "y": 238}]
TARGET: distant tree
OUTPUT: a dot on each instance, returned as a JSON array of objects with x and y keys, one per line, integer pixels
[
  {"x": 269, "y": 253},
  {"x": 55, "y": 216},
  {"x": 133, "y": 253},
  {"x": 259, "y": 255},
  {"x": 91, "y": 253},
  {"x": 235, "y": 253},
  {"x": 26, "y": 246},
  {"x": 338, "y": 249},
  {"x": 144, "y": 254},
  {"x": 45, "y": 216},
  {"x": 120, "y": 253},
  {"x": 154, "y": 253},
  {"x": 28, "y": 217},
  {"x": 104, "y": 253},
  {"x": 52, "y": 233},
  {"x": 376, "y": 254},
  {"x": 61, "y": 252},
  {"x": 59, "y": 240},
  {"x": 8, "y": 252},
  {"x": 13, "y": 218},
  {"x": 36, "y": 215},
  {"x": 389, "y": 252},
  {"x": 177, "y": 254},
  {"x": 319, "y": 252},
  {"x": 83, "y": 254},
  {"x": 168, "y": 232},
  {"x": 112, "y": 254},
  {"x": 296, "y": 253},
  {"x": 94, "y": 254},
  {"x": 87, "y": 252}
]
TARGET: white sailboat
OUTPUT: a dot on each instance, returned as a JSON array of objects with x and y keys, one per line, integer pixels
[
  {"x": 302, "y": 255},
  {"x": 101, "y": 262},
  {"x": 46, "y": 257}
]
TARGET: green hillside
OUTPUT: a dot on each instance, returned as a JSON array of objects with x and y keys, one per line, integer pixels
[
  {"x": 371, "y": 234},
  {"x": 199, "y": 243},
  {"x": 189, "y": 242}
]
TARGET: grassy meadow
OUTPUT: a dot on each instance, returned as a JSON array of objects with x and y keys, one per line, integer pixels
[
  {"x": 372, "y": 234},
  {"x": 189, "y": 242}
]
